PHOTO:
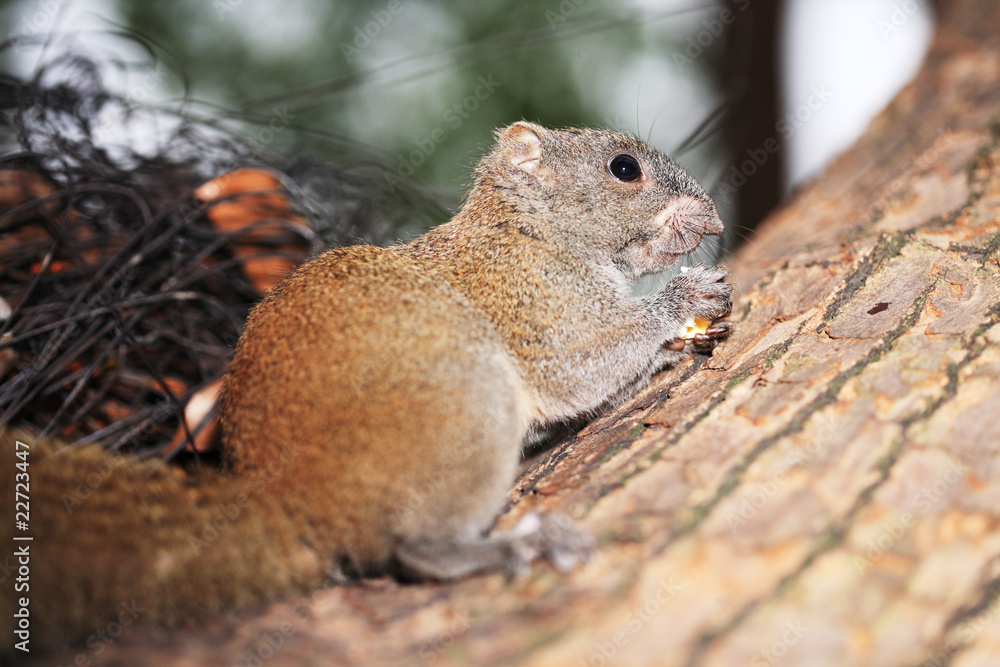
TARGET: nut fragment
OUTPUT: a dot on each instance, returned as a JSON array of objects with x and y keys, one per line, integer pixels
[{"x": 693, "y": 327}]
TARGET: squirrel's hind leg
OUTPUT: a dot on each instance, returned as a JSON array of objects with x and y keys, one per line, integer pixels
[{"x": 552, "y": 536}]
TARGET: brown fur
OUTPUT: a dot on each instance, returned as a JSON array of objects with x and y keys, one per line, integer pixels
[{"x": 377, "y": 401}]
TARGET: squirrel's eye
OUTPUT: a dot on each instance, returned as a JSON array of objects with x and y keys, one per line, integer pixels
[{"x": 625, "y": 168}]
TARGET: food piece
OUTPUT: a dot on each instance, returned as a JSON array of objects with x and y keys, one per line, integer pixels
[{"x": 693, "y": 327}]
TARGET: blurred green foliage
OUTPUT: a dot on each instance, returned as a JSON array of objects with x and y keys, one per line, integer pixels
[
  {"x": 360, "y": 68},
  {"x": 422, "y": 82}
]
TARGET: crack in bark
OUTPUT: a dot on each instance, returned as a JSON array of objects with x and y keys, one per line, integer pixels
[
  {"x": 991, "y": 590},
  {"x": 661, "y": 396},
  {"x": 979, "y": 171},
  {"x": 991, "y": 251},
  {"x": 561, "y": 451},
  {"x": 888, "y": 247},
  {"x": 945, "y": 651},
  {"x": 834, "y": 535},
  {"x": 983, "y": 253}
]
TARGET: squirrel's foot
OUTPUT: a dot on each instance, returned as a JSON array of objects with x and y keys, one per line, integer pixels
[{"x": 552, "y": 536}]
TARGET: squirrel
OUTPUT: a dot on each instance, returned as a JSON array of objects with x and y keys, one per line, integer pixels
[{"x": 376, "y": 404}]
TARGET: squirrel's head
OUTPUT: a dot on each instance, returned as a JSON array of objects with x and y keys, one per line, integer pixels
[{"x": 607, "y": 197}]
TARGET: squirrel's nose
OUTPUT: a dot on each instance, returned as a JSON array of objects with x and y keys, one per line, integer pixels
[
  {"x": 713, "y": 223},
  {"x": 689, "y": 214}
]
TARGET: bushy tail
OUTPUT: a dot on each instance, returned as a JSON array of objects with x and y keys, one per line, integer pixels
[{"x": 117, "y": 542}]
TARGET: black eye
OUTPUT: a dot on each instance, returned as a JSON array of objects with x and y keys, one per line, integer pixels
[{"x": 625, "y": 168}]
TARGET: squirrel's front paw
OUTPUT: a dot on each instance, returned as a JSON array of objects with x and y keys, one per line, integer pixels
[
  {"x": 706, "y": 342},
  {"x": 704, "y": 299}
]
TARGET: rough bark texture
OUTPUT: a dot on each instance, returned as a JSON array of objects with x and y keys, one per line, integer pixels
[{"x": 824, "y": 490}]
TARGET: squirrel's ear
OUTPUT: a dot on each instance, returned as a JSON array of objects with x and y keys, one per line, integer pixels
[{"x": 521, "y": 146}]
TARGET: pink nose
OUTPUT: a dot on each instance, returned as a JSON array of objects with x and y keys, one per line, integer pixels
[
  {"x": 713, "y": 223},
  {"x": 689, "y": 214}
]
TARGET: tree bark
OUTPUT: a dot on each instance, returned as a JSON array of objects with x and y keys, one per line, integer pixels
[{"x": 823, "y": 490}]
